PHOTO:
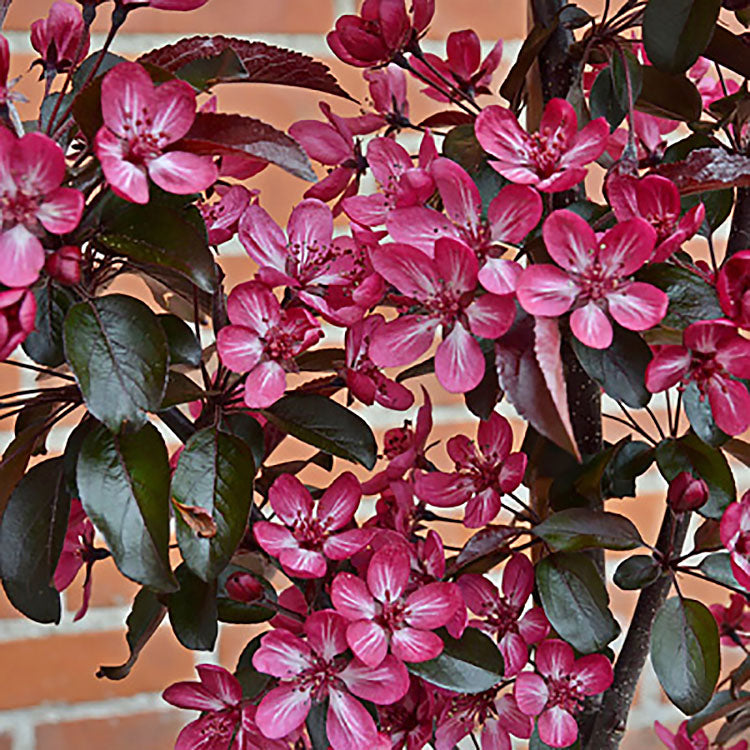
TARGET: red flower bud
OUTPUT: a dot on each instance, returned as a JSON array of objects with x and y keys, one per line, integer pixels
[
  {"x": 686, "y": 493},
  {"x": 243, "y": 587},
  {"x": 64, "y": 265},
  {"x": 62, "y": 38}
]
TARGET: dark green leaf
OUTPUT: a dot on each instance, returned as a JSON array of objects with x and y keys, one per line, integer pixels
[
  {"x": 123, "y": 481},
  {"x": 253, "y": 682},
  {"x": 670, "y": 95},
  {"x": 471, "y": 664},
  {"x": 718, "y": 568},
  {"x": 161, "y": 236},
  {"x": 730, "y": 50},
  {"x": 31, "y": 538},
  {"x": 575, "y": 601},
  {"x": 632, "y": 459},
  {"x": 180, "y": 390},
  {"x": 231, "y": 610},
  {"x": 143, "y": 621},
  {"x": 609, "y": 96},
  {"x": 678, "y": 151},
  {"x": 536, "y": 744},
  {"x": 192, "y": 611},
  {"x": 205, "y": 72},
  {"x": 718, "y": 205},
  {"x": 327, "y": 425},
  {"x": 637, "y": 572},
  {"x": 722, "y": 704},
  {"x": 481, "y": 401},
  {"x": 690, "y": 298},
  {"x": 698, "y": 411},
  {"x": 45, "y": 343},
  {"x": 215, "y": 472},
  {"x": 690, "y": 453},
  {"x": 675, "y": 32},
  {"x": 118, "y": 353},
  {"x": 621, "y": 368},
  {"x": 184, "y": 347},
  {"x": 484, "y": 550},
  {"x": 739, "y": 449},
  {"x": 685, "y": 653},
  {"x": 327, "y": 359},
  {"x": 575, "y": 529},
  {"x": 248, "y": 429},
  {"x": 316, "y": 726}
]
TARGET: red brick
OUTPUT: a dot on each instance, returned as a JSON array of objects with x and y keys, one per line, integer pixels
[
  {"x": 491, "y": 19},
  {"x": 62, "y": 668},
  {"x": 6, "y": 742},
  {"x": 150, "y": 731},
  {"x": 641, "y": 739}
]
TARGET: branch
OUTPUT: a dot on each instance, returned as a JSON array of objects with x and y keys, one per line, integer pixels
[{"x": 180, "y": 425}]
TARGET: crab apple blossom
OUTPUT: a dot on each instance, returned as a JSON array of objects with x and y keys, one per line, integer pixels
[
  {"x": 733, "y": 621},
  {"x": 735, "y": 536},
  {"x": 443, "y": 287},
  {"x": 484, "y": 472},
  {"x": 683, "y": 739},
  {"x": 381, "y": 32},
  {"x": 382, "y": 616},
  {"x": 463, "y": 66},
  {"x": 408, "y": 724},
  {"x": 312, "y": 532},
  {"x": 387, "y": 88},
  {"x": 687, "y": 493},
  {"x": 591, "y": 278},
  {"x": 503, "y": 615},
  {"x": 263, "y": 340},
  {"x": 141, "y": 122},
  {"x": 62, "y": 38},
  {"x": 31, "y": 200},
  {"x": 556, "y": 691},
  {"x": 17, "y": 316},
  {"x": 552, "y": 159},
  {"x": 222, "y": 217},
  {"x": 712, "y": 356},
  {"x": 733, "y": 287},
  {"x": 657, "y": 200},
  {"x": 317, "y": 669},
  {"x": 64, "y": 265},
  {"x": 511, "y": 215}
]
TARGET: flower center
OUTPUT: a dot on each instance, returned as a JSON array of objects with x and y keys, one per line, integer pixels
[
  {"x": 19, "y": 209},
  {"x": 564, "y": 694}
]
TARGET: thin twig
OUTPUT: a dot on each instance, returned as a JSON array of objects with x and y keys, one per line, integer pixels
[{"x": 43, "y": 370}]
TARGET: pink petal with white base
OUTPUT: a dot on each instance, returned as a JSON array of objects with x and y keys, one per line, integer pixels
[
  {"x": 500, "y": 276},
  {"x": 368, "y": 641},
  {"x": 456, "y": 265},
  {"x": 265, "y": 385},
  {"x": 127, "y": 180},
  {"x": 419, "y": 227},
  {"x": 352, "y": 598},
  {"x": 459, "y": 362},
  {"x": 495, "y": 437},
  {"x": 638, "y": 306},
  {"x": 499, "y": 133},
  {"x": 557, "y": 727},
  {"x": 531, "y": 693},
  {"x": 402, "y": 341},
  {"x": 443, "y": 490},
  {"x": 346, "y": 544},
  {"x": 37, "y": 164},
  {"x": 274, "y": 538},
  {"x": 555, "y": 658},
  {"x": 239, "y": 348},
  {"x": 518, "y": 579},
  {"x": 253, "y": 305},
  {"x": 513, "y": 213},
  {"x": 172, "y": 110},
  {"x": 283, "y": 710},
  {"x": 310, "y": 225},
  {"x": 460, "y": 195},
  {"x": 263, "y": 239},
  {"x": 326, "y": 633},
  {"x": 221, "y": 683},
  {"x": 182, "y": 173},
  {"x": 480, "y": 595},
  {"x": 22, "y": 257},
  {"x": 282, "y": 654},
  {"x": 512, "y": 718},
  {"x": 511, "y": 474},
  {"x": 588, "y": 144},
  {"x": 348, "y": 723},
  {"x": 515, "y": 653},
  {"x": 626, "y": 247},
  {"x": 303, "y": 563},
  {"x": 321, "y": 141},
  {"x": 569, "y": 239},
  {"x": 290, "y": 500},
  {"x": 384, "y": 684},
  {"x": 491, "y": 316},
  {"x": 534, "y": 625},
  {"x": 591, "y": 326},
  {"x": 495, "y": 736},
  {"x": 336, "y": 507},
  {"x": 61, "y": 210},
  {"x": 667, "y": 368},
  {"x": 431, "y": 606},
  {"x": 407, "y": 269},
  {"x": 482, "y": 509},
  {"x": 388, "y": 573},
  {"x": 127, "y": 91},
  {"x": 411, "y": 644},
  {"x": 546, "y": 290},
  {"x": 730, "y": 405},
  {"x": 592, "y": 674}
]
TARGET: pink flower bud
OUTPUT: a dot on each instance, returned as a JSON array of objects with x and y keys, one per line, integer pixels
[
  {"x": 61, "y": 38},
  {"x": 686, "y": 493},
  {"x": 243, "y": 587},
  {"x": 64, "y": 265}
]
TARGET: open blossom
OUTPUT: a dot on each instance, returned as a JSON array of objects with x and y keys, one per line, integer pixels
[
  {"x": 382, "y": 616},
  {"x": 387, "y": 88},
  {"x": 61, "y": 38},
  {"x": 141, "y": 122},
  {"x": 733, "y": 286},
  {"x": 463, "y": 66},
  {"x": 733, "y": 621},
  {"x": 383, "y": 30},
  {"x": 408, "y": 724},
  {"x": 552, "y": 159},
  {"x": 485, "y": 471},
  {"x": 31, "y": 200},
  {"x": 712, "y": 355},
  {"x": 443, "y": 287},
  {"x": 735, "y": 536},
  {"x": 682, "y": 739},
  {"x": 316, "y": 670},
  {"x": 556, "y": 691},
  {"x": 502, "y": 615},
  {"x": 593, "y": 278},
  {"x": 224, "y": 716},
  {"x": 263, "y": 340},
  {"x": 312, "y": 532},
  {"x": 657, "y": 200},
  {"x": 222, "y": 217},
  {"x": 17, "y": 317},
  {"x": 499, "y": 716}
]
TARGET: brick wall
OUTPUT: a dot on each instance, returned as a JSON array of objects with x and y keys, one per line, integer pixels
[{"x": 49, "y": 696}]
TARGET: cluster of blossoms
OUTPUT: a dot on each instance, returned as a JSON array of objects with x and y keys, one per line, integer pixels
[{"x": 443, "y": 269}]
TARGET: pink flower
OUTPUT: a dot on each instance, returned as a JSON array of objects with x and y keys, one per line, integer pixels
[
  {"x": 485, "y": 471},
  {"x": 657, "y": 200},
  {"x": 444, "y": 288},
  {"x": 681, "y": 740},
  {"x": 31, "y": 199},
  {"x": 555, "y": 693},
  {"x": 17, "y": 318},
  {"x": 735, "y": 536},
  {"x": 649, "y": 132},
  {"x": 381, "y": 32},
  {"x": 502, "y": 616},
  {"x": 408, "y": 723},
  {"x": 593, "y": 280},
  {"x": 64, "y": 265},
  {"x": 243, "y": 587},
  {"x": 499, "y": 715},
  {"x": 365, "y": 381},
  {"x": 6, "y": 95},
  {"x": 686, "y": 493},
  {"x": 315, "y": 670},
  {"x": 308, "y": 535},
  {"x": 140, "y": 122},
  {"x": 511, "y": 215},
  {"x": 733, "y": 286},
  {"x": 78, "y": 550},
  {"x": 62, "y": 38},
  {"x": 263, "y": 340},
  {"x": 462, "y": 66},
  {"x": 387, "y": 87},
  {"x": 382, "y": 616},
  {"x": 223, "y": 216},
  {"x": 224, "y": 716},
  {"x": 712, "y": 355},
  {"x": 554, "y": 158},
  {"x": 733, "y": 621}
]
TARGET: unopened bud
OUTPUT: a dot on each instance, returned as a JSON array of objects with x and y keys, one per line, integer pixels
[
  {"x": 686, "y": 493},
  {"x": 243, "y": 587},
  {"x": 64, "y": 265}
]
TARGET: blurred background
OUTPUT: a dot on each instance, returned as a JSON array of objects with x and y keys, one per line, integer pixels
[{"x": 50, "y": 698}]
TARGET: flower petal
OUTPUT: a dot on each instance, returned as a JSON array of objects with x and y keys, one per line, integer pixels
[
  {"x": 591, "y": 326},
  {"x": 384, "y": 684},
  {"x": 544, "y": 289},
  {"x": 352, "y": 598},
  {"x": 348, "y": 724},
  {"x": 326, "y": 633},
  {"x": 638, "y": 306},
  {"x": 557, "y": 727},
  {"x": 555, "y": 658},
  {"x": 239, "y": 348},
  {"x": 368, "y": 641},
  {"x": 283, "y": 710},
  {"x": 182, "y": 173},
  {"x": 402, "y": 341},
  {"x": 265, "y": 385},
  {"x": 282, "y": 654},
  {"x": 491, "y": 315},
  {"x": 592, "y": 674},
  {"x": 336, "y": 507},
  {"x": 531, "y": 693},
  {"x": 513, "y": 213},
  {"x": 61, "y": 210},
  {"x": 667, "y": 368},
  {"x": 22, "y": 257},
  {"x": 414, "y": 645},
  {"x": 570, "y": 241},
  {"x": 431, "y": 606},
  {"x": 388, "y": 573},
  {"x": 459, "y": 362}
]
